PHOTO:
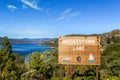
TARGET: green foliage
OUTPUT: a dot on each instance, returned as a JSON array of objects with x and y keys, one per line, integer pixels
[
  {"x": 110, "y": 48},
  {"x": 112, "y": 37},
  {"x": 41, "y": 65},
  {"x": 110, "y": 78},
  {"x": 81, "y": 70},
  {"x": 11, "y": 65},
  {"x": 6, "y": 46},
  {"x": 111, "y": 61},
  {"x": 51, "y": 43},
  {"x": 84, "y": 72},
  {"x": 7, "y": 62},
  {"x": 85, "y": 78},
  {"x": 20, "y": 67},
  {"x": 32, "y": 75},
  {"x": 67, "y": 78}
]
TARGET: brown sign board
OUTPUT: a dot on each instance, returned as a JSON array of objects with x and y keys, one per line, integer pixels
[{"x": 83, "y": 50}]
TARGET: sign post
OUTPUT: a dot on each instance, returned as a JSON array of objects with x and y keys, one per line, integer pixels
[
  {"x": 61, "y": 72},
  {"x": 83, "y": 50},
  {"x": 97, "y": 72}
]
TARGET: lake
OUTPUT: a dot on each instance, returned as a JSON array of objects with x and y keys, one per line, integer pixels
[{"x": 25, "y": 49}]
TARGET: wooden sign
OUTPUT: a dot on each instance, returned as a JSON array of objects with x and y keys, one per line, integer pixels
[{"x": 84, "y": 50}]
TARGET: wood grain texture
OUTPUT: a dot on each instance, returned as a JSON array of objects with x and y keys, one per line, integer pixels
[{"x": 86, "y": 48}]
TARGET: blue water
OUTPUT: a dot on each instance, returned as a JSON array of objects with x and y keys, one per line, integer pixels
[{"x": 25, "y": 49}]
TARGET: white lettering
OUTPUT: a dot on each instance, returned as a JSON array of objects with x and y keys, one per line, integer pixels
[
  {"x": 81, "y": 48},
  {"x": 77, "y": 41}
]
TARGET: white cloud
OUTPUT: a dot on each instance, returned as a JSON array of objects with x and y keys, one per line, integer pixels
[
  {"x": 67, "y": 14},
  {"x": 32, "y": 3},
  {"x": 12, "y": 7},
  {"x": 74, "y": 14}
]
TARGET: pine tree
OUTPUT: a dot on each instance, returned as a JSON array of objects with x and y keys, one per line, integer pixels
[
  {"x": 6, "y": 46},
  {"x": 7, "y": 63}
]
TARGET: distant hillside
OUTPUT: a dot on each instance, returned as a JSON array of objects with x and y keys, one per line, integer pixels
[
  {"x": 27, "y": 40},
  {"x": 106, "y": 38},
  {"x": 110, "y": 37}
]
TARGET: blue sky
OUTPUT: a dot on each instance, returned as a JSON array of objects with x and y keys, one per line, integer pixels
[{"x": 55, "y": 18}]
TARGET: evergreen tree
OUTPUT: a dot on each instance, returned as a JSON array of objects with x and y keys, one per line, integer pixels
[
  {"x": 7, "y": 61},
  {"x": 41, "y": 66},
  {"x": 6, "y": 46}
]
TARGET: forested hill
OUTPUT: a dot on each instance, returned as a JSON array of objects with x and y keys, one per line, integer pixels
[
  {"x": 110, "y": 37},
  {"x": 28, "y": 40},
  {"x": 106, "y": 38}
]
